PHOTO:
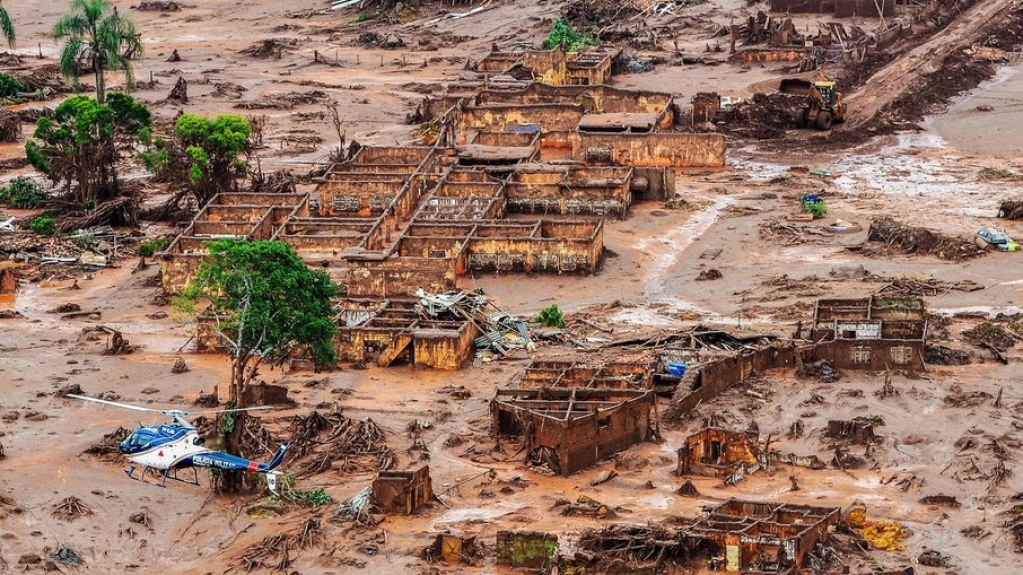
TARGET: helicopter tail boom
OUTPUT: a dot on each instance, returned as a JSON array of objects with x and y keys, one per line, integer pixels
[{"x": 278, "y": 457}]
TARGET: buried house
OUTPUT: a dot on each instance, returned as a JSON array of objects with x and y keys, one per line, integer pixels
[
  {"x": 570, "y": 429},
  {"x": 871, "y": 333}
]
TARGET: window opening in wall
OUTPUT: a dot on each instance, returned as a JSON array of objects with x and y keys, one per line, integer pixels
[
  {"x": 861, "y": 355},
  {"x": 901, "y": 355}
]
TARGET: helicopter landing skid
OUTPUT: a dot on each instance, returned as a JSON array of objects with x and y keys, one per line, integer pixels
[{"x": 171, "y": 474}]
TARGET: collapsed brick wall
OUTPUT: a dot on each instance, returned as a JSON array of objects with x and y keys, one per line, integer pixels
[
  {"x": 527, "y": 549},
  {"x": 716, "y": 377},
  {"x": 587, "y": 440}
]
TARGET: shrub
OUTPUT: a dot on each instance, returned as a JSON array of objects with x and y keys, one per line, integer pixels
[
  {"x": 562, "y": 32},
  {"x": 551, "y": 317},
  {"x": 22, "y": 193},
  {"x": 817, "y": 209},
  {"x": 150, "y": 247},
  {"x": 44, "y": 225},
  {"x": 10, "y": 86},
  {"x": 287, "y": 492},
  {"x": 364, "y": 17}
]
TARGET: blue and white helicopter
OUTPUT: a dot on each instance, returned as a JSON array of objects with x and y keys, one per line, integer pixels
[{"x": 166, "y": 449}]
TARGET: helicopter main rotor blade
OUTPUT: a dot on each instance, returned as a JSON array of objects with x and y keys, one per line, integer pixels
[
  {"x": 114, "y": 403},
  {"x": 235, "y": 409}
]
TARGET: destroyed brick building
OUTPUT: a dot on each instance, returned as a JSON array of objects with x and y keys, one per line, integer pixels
[
  {"x": 716, "y": 452},
  {"x": 402, "y": 492},
  {"x": 570, "y": 417},
  {"x": 874, "y": 333},
  {"x": 736, "y": 536},
  {"x": 755, "y": 537},
  {"x": 555, "y": 67}
]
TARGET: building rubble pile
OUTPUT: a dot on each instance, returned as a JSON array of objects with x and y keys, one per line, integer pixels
[{"x": 502, "y": 332}]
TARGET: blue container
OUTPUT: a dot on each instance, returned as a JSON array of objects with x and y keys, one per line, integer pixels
[{"x": 677, "y": 368}]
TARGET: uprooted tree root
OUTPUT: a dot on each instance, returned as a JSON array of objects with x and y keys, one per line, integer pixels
[
  {"x": 71, "y": 508},
  {"x": 911, "y": 240},
  {"x": 109, "y": 448},
  {"x": 10, "y": 126},
  {"x": 270, "y": 47},
  {"x": 325, "y": 439},
  {"x": 277, "y": 552}
]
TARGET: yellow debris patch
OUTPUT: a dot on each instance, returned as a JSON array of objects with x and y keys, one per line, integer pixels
[{"x": 884, "y": 535}]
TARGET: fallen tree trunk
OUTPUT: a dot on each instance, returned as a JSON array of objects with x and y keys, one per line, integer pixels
[{"x": 121, "y": 210}]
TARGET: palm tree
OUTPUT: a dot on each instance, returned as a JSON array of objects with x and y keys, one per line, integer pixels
[
  {"x": 6, "y": 26},
  {"x": 100, "y": 36}
]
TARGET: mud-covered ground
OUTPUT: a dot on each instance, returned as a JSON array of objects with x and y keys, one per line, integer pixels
[{"x": 769, "y": 282}]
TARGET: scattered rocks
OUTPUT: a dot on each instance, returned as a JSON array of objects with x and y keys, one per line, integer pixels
[
  {"x": 932, "y": 558},
  {"x": 158, "y": 6},
  {"x": 157, "y": 315},
  {"x": 33, "y": 415},
  {"x": 109, "y": 396},
  {"x": 10, "y": 314},
  {"x": 69, "y": 389},
  {"x": 179, "y": 366},
  {"x": 66, "y": 308},
  {"x": 709, "y": 275},
  {"x": 150, "y": 391}
]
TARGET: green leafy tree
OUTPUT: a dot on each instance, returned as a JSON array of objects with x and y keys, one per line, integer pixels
[
  {"x": 94, "y": 32},
  {"x": 563, "y": 33},
  {"x": 268, "y": 306},
  {"x": 213, "y": 151},
  {"x": 7, "y": 26},
  {"x": 81, "y": 146}
]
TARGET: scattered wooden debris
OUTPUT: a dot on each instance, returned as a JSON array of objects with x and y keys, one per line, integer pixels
[
  {"x": 905, "y": 286},
  {"x": 942, "y": 500},
  {"x": 922, "y": 241},
  {"x": 792, "y": 234},
  {"x": 71, "y": 508}
]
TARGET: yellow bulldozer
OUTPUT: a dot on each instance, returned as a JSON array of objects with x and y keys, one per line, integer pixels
[{"x": 824, "y": 103}]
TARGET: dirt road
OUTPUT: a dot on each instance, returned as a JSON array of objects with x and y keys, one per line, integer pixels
[{"x": 907, "y": 70}]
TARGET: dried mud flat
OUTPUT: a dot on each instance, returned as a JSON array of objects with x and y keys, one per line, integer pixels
[{"x": 942, "y": 432}]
